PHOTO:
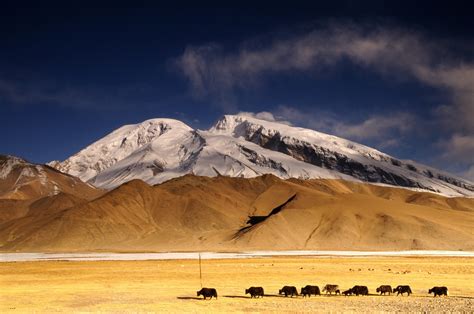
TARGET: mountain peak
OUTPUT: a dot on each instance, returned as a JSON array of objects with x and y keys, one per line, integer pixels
[
  {"x": 118, "y": 145},
  {"x": 163, "y": 121},
  {"x": 228, "y": 123},
  {"x": 158, "y": 150},
  {"x": 149, "y": 128}
]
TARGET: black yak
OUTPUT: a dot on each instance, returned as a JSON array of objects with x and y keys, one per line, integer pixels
[
  {"x": 438, "y": 291},
  {"x": 402, "y": 289},
  {"x": 347, "y": 292},
  {"x": 255, "y": 292},
  {"x": 288, "y": 291},
  {"x": 360, "y": 290},
  {"x": 384, "y": 289},
  {"x": 207, "y": 293},
  {"x": 309, "y": 290}
]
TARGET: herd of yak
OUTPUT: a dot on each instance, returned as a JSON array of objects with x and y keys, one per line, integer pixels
[{"x": 309, "y": 290}]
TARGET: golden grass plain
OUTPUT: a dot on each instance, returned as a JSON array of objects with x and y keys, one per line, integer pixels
[{"x": 170, "y": 286}]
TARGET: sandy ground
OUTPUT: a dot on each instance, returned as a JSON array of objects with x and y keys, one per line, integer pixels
[{"x": 170, "y": 286}]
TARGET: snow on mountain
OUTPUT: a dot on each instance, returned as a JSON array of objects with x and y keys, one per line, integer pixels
[
  {"x": 20, "y": 179},
  {"x": 8, "y": 163},
  {"x": 240, "y": 146},
  {"x": 121, "y": 144},
  {"x": 341, "y": 156},
  {"x": 237, "y": 157},
  {"x": 160, "y": 158}
]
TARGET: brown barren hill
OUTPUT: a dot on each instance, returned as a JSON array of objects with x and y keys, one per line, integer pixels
[
  {"x": 194, "y": 213},
  {"x": 27, "y": 188},
  {"x": 22, "y": 180}
]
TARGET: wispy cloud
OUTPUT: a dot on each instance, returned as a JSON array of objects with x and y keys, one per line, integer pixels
[
  {"x": 264, "y": 115},
  {"x": 384, "y": 130},
  {"x": 458, "y": 148},
  {"x": 391, "y": 52},
  {"x": 469, "y": 173},
  {"x": 23, "y": 93},
  {"x": 387, "y": 129},
  {"x": 211, "y": 71}
]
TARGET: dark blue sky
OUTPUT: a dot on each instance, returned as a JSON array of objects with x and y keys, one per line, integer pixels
[{"x": 69, "y": 74}]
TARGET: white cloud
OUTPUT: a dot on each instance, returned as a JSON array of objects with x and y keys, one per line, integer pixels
[
  {"x": 460, "y": 148},
  {"x": 469, "y": 173},
  {"x": 459, "y": 80},
  {"x": 26, "y": 93},
  {"x": 389, "y": 51},
  {"x": 377, "y": 127},
  {"x": 211, "y": 71},
  {"x": 39, "y": 92},
  {"x": 385, "y": 130},
  {"x": 392, "y": 52},
  {"x": 264, "y": 115}
]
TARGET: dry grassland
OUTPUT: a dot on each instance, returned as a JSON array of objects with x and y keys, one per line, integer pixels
[{"x": 170, "y": 286}]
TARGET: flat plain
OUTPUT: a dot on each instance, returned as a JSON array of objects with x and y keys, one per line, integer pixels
[{"x": 171, "y": 285}]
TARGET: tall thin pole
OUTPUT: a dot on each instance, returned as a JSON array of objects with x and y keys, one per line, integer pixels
[{"x": 200, "y": 270}]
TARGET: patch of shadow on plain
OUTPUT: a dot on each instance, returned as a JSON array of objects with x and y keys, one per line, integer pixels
[
  {"x": 360, "y": 295},
  {"x": 236, "y": 296},
  {"x": 278, "y": 296},
  {"x": 190, "y": 298},
  {"x": 459, "y": 297},
  {"x": 442, "y": 297}
]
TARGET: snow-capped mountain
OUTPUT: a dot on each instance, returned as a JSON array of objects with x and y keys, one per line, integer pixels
[{"x": 240, "y": 146}]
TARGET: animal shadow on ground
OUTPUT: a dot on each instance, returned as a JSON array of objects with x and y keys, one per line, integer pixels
[
  {"x": 237, "y": 296},
  {"x": 189, "y": 298},
  {"x": 276, "y": 296},
  {"x": 248, "y": 297}
]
